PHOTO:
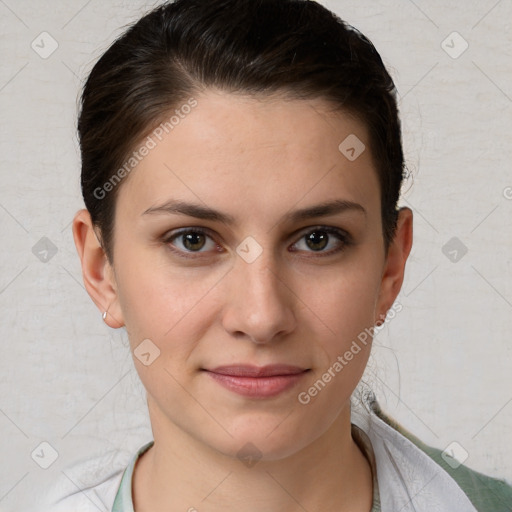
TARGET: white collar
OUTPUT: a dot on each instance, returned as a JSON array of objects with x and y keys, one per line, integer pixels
[{"x": 409, "y": 480}]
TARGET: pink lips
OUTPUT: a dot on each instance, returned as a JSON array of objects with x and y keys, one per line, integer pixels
[{"x": 258, "y": 382}]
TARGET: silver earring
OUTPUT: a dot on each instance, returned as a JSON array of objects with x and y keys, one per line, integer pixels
[{"x": 104, "y": 315}]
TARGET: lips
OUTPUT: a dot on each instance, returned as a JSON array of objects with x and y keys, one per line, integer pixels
[
  {"x": 244, "y": 370},
  {"x": 258, "y": 382}
]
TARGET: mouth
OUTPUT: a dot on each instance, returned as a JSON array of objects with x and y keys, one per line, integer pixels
[
  {"x": 247, "y": 370},
  {"x": 258, "y": 382}
]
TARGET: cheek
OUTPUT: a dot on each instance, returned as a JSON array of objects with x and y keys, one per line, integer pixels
[
  {"x": 172, "y": 308},
  {"x": 344, "y": 308},
  {"x": 344, "y": 300},
  {"x": 344, "y": 303},
  {"x": 158, "y": 298}
]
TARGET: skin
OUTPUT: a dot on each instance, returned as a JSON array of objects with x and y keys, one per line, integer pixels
[{"x": 255, "y": 159}]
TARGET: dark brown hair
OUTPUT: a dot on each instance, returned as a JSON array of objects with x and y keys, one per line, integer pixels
[{"x": 256, "y": 47}]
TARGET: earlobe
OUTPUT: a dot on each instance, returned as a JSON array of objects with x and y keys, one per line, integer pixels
[
  {"x": 394, "y": 267},
  {"x": 98, "y": 275}
]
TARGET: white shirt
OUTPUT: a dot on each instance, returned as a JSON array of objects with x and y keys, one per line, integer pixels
[{"x": 406, "y": 479}]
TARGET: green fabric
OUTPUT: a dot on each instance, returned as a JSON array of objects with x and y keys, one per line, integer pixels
[{"x": 487, "y": 494}]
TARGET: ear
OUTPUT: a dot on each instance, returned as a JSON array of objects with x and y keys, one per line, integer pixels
[
  {"x": 97, "y": 273},
  {"x": 394, "y": 267}
]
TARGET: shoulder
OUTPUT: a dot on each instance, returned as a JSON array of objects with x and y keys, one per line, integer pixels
[
  {"x": 487, "y": 494},
  {"x": 90, "y": 485}
]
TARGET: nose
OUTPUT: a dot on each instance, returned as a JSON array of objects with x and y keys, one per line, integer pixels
[{"x": 260, "y": 302}]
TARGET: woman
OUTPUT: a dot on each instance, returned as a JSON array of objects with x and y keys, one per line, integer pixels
[{"x": 241, "y": 168}]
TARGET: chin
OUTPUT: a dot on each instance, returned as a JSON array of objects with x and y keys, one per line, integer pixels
[{"x": 257, "y": 440}]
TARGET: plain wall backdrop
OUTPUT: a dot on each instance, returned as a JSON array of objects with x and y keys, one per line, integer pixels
[{"x": 442, "y": 366}]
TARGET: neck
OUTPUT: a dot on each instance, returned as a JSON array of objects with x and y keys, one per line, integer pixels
[{"x": 180, "y": 472}]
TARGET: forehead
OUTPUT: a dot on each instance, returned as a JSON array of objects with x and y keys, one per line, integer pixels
[{"x": 255, "y": 153}]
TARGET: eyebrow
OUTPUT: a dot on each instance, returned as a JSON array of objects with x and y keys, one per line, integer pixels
[{"x": 205, "y": 213}]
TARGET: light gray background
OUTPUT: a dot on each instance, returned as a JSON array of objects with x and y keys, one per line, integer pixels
[{"x": 442, "y": 367}]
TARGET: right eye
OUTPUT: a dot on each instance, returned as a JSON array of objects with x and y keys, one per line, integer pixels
[{"x": 188, "y": 241}]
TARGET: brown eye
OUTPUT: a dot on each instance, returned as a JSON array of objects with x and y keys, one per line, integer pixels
[
  {"x": 317, "y": 240},
  {"x": 322, "y": 238},
  {"x": 191, "y": 241}
]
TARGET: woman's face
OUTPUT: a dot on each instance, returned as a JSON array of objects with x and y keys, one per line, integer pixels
[{"x": 272, "y": 277}]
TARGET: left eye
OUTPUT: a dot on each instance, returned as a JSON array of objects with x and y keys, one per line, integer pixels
[{"x": 321, "y": 238}]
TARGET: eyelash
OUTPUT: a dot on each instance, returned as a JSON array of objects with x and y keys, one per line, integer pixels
[{"x": 344, "y": 238}]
